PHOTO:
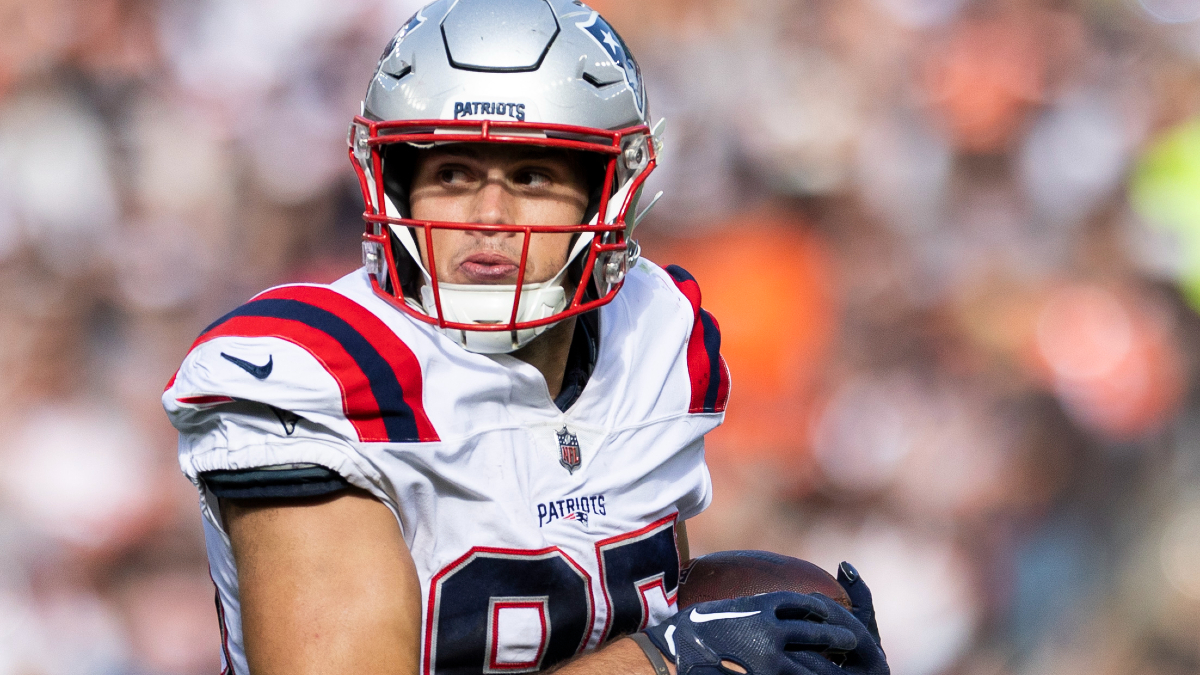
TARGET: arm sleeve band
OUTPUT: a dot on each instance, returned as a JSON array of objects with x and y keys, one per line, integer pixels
[{"x": 294, "y": 481}]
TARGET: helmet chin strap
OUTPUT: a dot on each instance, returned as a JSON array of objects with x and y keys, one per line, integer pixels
[{"x": 405, "y": 236}]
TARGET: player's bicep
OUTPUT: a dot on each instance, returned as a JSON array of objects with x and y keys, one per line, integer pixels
[
  {"x": 681, "y": 543},
  {"x": 326, "y": 586}
]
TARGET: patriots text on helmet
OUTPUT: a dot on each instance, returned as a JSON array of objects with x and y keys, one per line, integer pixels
[{"x": 471, "y": 108}]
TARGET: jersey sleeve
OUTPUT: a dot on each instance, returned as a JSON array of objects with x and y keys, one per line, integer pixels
[
  {"x": 681, "y": 378},
  {"x": 246, "y": 450},
  {"x": 296, "y": 380},
  {"x": 697, "y": 480},
  {"x": 707, "y": 395}
]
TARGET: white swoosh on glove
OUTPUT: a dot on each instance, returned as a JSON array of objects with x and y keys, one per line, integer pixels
[{"x": 697, "y": 617}]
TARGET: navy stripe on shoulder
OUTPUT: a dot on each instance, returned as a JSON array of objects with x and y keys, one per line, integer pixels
[
  {"x": 712, "y": 345},
  {"x": 678, "y": 273},
  {"x": 394, "y": 411}
]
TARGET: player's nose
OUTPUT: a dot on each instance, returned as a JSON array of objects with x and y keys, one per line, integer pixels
[{"x": 493, "y": 204}]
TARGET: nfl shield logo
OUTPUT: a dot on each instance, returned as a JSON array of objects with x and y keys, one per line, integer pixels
[{"x": 568, "y": 446}]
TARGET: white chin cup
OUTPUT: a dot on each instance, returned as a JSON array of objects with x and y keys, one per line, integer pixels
[{"x": 482, "y": 304}]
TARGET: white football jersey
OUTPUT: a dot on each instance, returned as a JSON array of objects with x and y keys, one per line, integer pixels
[{"x": 536, "y": 533}]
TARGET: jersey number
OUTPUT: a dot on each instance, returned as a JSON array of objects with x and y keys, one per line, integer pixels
[{"x": 513, "y": 611}]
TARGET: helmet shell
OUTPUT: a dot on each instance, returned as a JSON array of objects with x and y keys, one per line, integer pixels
[
  {"x": 549, "y": 73},
  {"x": 541, "y": 61}
]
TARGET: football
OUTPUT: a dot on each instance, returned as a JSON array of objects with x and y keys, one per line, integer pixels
[{"x": 736, "y": 574}]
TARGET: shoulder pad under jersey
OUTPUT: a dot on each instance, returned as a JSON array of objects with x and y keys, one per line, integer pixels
[{"x": 311, "y": 351}]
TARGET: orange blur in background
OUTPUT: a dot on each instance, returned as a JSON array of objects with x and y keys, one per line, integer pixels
[{"x": 768, "y": 280}]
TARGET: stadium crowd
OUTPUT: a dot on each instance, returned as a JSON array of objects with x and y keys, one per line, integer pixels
[{"x": 954, "y": 247}]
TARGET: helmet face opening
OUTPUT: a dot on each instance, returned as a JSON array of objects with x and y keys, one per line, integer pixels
[{"x": 498, "y": 318}]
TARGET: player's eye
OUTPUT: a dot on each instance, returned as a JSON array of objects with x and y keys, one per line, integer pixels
[
  {"x": 454, "y": 176},
  {"x": 532, "y": 178}
]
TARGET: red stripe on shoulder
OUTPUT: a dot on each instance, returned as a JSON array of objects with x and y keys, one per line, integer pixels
[
  {"x": 707, "y": 370},
  {"x": 357, "y": 398},
  {"x": 699, "y": 367},
  {"x": 687, "y": 285},
  {"x": 389, "y": 345}
]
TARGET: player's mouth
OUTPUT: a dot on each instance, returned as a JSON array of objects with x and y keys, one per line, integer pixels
[{"x": 489, "y": 267}]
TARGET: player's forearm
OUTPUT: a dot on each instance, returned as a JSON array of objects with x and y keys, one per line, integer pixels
[{"x": 620, "y": 657}]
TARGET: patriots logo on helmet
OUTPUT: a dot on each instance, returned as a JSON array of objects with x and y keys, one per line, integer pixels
[
  {"x": 607, "y": 38},
  {"x": 568, "y": 446},
  {"x": 412, "y": 24},
  {"x": 416, "y": 20}
]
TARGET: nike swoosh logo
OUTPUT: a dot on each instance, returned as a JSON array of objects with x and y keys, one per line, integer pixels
[
  {"x": 259, "y": 372},
  {"x": 697, "y": 617}
]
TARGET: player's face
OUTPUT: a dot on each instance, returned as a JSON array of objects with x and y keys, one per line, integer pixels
[{"x": 506, "y": 185}]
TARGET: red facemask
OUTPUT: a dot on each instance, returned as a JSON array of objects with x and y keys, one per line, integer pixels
[{"x": 600, "y": 255}]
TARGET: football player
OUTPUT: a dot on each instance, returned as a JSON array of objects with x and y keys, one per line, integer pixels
[{"x": 473, "y": 454}]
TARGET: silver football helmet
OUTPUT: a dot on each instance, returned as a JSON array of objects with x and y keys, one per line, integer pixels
[{"x": 549, "y": 73}]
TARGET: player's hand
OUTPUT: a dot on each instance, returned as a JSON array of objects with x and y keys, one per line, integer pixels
[
  {"x": 867, "y": 657},
  {"x": 770, "y": 634},
  {"x": 860, "y": 598}
]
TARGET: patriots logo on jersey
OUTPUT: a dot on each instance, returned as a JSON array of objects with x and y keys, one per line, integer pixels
[
  {"x": 580, "y": 509},
  {"x": 611, "y": 42},
  {"x": 568, "y": 446}
]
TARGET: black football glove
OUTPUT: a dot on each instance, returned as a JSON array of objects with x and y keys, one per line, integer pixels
[
  {"x": 770, "y": 634},
  {"x": 867, "y": 657},
  {"x": 860, "y": 598}
]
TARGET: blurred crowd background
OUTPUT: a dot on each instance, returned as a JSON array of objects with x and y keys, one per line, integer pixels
[{"x": 954, "y": 247}]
